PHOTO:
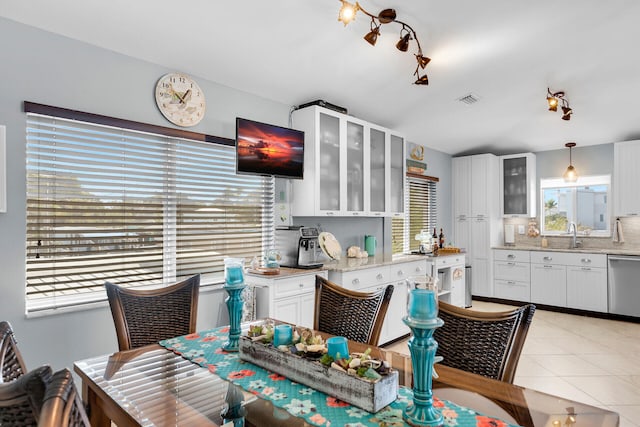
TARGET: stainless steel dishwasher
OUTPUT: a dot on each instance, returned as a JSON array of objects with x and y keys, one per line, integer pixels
[{"x": 624, "y": 285}]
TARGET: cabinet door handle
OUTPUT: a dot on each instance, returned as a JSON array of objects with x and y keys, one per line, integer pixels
[
  {"x": 547, "y": 258},
  {"x": 418, "y": 269},
  {"x": 301, "y": 285},
  {"x": 511, "y": 282},
  {"x": 547, "y": 266},
  {"x": 586, "y": 260},
  {"x": 586, "y": 268},
  {"x": 511, "y": 263},
  {"x": 355, "y": 281},
  {"x": 511, "y": 256},
  {"x": 379, "y": 276},
  {"x": 329, "y": 213},
  {"x": 400, "y": 273},
  {"x": 355, "y": 213}
]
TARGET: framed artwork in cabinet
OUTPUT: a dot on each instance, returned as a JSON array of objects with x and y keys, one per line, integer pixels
[{"x": 3, "y": 169}]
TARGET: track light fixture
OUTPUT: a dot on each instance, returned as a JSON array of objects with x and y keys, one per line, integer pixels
[
  {"x": 348, "y": 13},
  {"x": 557, "y": 98}
]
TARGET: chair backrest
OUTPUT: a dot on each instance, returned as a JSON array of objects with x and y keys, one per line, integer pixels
[
  {"x": 484, "y": 343},
  {"x": 21, "y": 399},
  {"x": 146, "y": 316},
  {"x": 358, "y": 316},
  {"x": 11, "y": 364},
  {"x": 62, "y": 405}
]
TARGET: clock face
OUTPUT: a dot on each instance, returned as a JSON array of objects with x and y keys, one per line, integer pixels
[{"x": 180, "y": 99}]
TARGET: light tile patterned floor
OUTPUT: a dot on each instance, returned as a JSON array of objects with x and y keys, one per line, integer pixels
[{"x": 595, "y": 361}]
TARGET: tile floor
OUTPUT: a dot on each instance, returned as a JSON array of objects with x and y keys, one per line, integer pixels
[{"x": 595, "y": 361}]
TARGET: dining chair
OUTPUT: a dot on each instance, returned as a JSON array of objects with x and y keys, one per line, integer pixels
[
  {"x": 487, "y": 343},
  {"x": 62, "y": 405},
  {"x": 146, "y": 316},
  {"x": 357, "y": 316},
  {"x": 21, "y": 399},
  {"x": 11, "y": 364}
]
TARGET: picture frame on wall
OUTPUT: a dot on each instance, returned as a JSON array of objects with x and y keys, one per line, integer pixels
[{"x": 3, "y": 169}]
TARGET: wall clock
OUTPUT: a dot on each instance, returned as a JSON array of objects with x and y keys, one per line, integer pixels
[{"x": 180, "y": 99}]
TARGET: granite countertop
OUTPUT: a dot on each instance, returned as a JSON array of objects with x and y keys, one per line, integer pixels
[
  {"x": 353, "y": 264},
  {"x": 604, "y": 251}
]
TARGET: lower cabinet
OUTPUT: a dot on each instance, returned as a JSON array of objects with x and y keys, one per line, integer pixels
[
  {"x": 561, "y": 279},
  {"x": 369, "y": 279},
  {"x": 289, "y": 298},
  {"x": 512, "y": 275},
  {"x": 587, "y": 282},
  {"x": 548, "y": 278}
]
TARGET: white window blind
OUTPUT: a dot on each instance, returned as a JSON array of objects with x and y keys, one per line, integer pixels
[
  {"x": 133, "y": 208},
  {"x": 421, "y": 209}
]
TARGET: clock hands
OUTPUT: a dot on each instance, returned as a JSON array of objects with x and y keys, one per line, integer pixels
[{"x": 182, "y": 98}]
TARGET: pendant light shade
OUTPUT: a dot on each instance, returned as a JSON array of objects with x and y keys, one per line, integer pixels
[{"x": 571, "y": 174}]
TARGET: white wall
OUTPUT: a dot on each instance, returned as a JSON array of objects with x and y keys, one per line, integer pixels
[{"x": 41, "y": 67}]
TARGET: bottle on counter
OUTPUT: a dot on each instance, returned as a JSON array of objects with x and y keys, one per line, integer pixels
[
  {"x": 441, "y": 237},
  {"x": 434, "y": 236}
]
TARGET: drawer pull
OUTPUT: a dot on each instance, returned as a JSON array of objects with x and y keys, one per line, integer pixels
[
  {"x": 355, "y": 281},
  {"x": 547, "y": 258},
  {"x": 379, "y": 276},
  {"x": 301, "y": 285},
  {"x": 400, "y": 273},
  {"x": 586, "y": 260},
  {"x": 329, "y": 213},
  {"x": 511, "y": 282},
  {"x": 511, "y": 263},
  {"x": 586, "y": 268},
  {"x": 418, "y": 269},
  {"x": 547, "y": 266},
  {"x": 511, "y": 256}
]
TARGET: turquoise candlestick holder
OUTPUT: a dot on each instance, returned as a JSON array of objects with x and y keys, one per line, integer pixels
[
  {"x": 234, "y": 285},
  {"x": 423, "y": 321}
]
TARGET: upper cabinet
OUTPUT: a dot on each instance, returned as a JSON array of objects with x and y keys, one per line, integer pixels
[
  {"x": 473, "y": 185},
  {"x": 518, "y": 185},
  {"x": 626, "y": 175},
  {"x": 351, "y": 167}
]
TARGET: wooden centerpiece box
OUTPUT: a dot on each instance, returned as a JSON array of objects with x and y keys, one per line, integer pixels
[{"x": 370, "y": 395}]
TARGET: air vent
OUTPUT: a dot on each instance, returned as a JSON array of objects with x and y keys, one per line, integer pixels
[{"x": 469, "y": 99}]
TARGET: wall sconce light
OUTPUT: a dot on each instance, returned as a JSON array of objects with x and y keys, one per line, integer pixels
[
  {"x": 348, "y": 13},
  {"x": 556, "y": 98},
  {"x": 571, "y": 174}
]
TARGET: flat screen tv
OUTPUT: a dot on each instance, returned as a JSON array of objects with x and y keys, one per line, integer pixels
[{"x": 264, "y": 149}]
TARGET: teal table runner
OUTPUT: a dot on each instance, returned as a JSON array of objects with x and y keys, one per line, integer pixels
[{"x": 318, "y": 409}]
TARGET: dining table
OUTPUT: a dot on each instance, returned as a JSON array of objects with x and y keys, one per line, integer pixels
[{"x": 172, "y": 384}]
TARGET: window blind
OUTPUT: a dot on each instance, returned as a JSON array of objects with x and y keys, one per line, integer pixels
[
  {"x": 134, "y": 208},
  {"x": 421, "y": 210}
]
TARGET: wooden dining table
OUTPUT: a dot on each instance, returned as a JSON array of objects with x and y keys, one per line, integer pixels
[{"x": 152, "y": 386}]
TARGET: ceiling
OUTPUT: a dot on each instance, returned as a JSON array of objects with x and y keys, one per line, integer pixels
[{"x": 505, "y": 52}]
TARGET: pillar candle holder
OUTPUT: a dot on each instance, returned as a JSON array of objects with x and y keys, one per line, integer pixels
[
  {"x": 423, "y": 321},
  {"x": 234, "y": 285}
]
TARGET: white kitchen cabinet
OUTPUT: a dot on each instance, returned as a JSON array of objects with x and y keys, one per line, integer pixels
[
  {"x": 290, "y": 298},
  {"x": 477, "y": 224},
  {"x": 512, "y": 275},
  {"x": 518, "y": 185},
  {"x": 450, "y": 270},
  {"x": 548, "y": 278},
  {"x": 626, "y": 175},
  {"x": 368, "y": 279},
  {"x": 587, "y": 282},
  {"x": 351, "y": 167}
]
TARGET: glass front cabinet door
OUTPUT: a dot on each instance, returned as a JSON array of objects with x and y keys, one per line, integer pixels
[
  {"x": 518, "y": 185},
  {"x": 351, "y": 167}
]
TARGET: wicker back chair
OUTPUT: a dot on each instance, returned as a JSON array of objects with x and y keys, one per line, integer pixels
[
  {"x": 147, "y": 316},
  {"x": 11, "y": 364},
  {"x": 21, "y": 399},
  {"x": 62, "y": 406},
  {"x": 484, "y": 343},
  {"x": 357, "y": 316}
]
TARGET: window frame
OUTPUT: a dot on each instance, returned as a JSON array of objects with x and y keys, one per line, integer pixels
[
  {"x": 222, "y": 148},
  {"x": 409, "y": 244},
  {"x": 582, "y": 181}
]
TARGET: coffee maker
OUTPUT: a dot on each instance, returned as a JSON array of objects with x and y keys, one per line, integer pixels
[{"x": 298, "y": 247}]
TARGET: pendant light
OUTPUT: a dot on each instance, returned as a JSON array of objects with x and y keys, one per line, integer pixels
[{"x": 571, "y": 174}]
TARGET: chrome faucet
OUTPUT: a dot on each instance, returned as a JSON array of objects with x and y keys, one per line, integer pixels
[{"x": 572, "y": 229}]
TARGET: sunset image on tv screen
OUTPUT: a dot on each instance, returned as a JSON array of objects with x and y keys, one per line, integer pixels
[{"x": 269, "y": 150}]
